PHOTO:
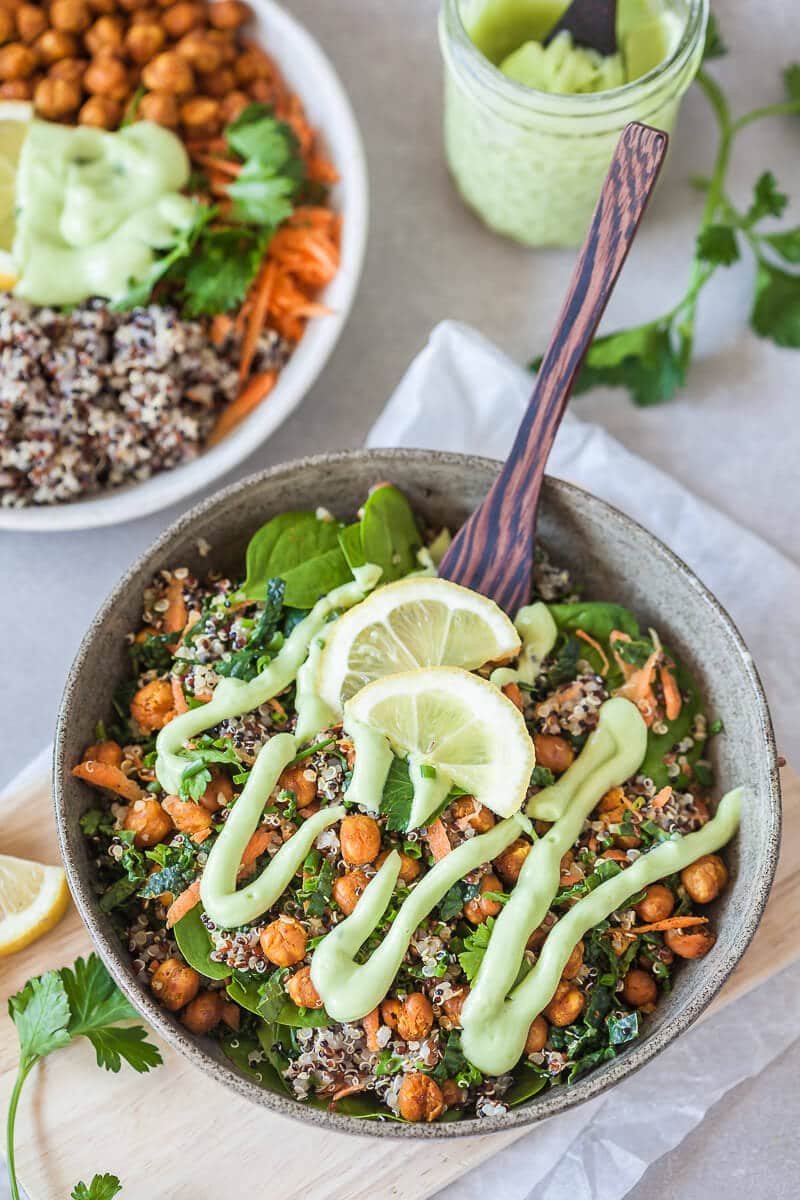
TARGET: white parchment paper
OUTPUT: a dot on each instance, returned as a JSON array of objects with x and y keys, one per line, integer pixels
[{"x": 462, "y": 393}]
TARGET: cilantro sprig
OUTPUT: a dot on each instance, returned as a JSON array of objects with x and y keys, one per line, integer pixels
[
  {"x": 651, "y": 361},
  {"x": 54, "y": 1009}
]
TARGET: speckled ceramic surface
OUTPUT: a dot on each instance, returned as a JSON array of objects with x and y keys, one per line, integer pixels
[{"x": 616, "y": 558}]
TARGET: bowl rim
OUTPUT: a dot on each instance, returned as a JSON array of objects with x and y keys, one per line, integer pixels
[
  {"x": 134, "y": 500},
  {"x": 554, "y": 1101}
]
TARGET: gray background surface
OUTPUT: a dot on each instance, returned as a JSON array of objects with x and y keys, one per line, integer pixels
[{"x": 733, "y": 437}]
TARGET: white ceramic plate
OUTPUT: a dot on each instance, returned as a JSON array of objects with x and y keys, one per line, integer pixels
[{"x": 309, "y": 73}]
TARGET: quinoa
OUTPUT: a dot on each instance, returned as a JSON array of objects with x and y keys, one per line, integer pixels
[{"x": 94, "y": 398}]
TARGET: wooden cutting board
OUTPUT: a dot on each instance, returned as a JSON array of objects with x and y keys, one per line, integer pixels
[{"x": 177, "y": 1134}]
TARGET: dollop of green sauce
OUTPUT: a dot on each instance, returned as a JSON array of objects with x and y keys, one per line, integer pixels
[{"x": 95, "y": 208}]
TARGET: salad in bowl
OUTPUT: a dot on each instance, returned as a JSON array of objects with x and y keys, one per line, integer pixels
[{"x": 394, "y": 854}]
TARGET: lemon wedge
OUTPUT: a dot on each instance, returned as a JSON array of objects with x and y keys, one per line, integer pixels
[
  {"x": 415, "y": 622},
  {"x": 33, "y": 898},
  {"x": 456, "y": 722},
  {"x": 15, "y": 119}
]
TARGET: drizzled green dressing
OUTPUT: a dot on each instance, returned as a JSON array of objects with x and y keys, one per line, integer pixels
[{"x": 496, "y": 1015}]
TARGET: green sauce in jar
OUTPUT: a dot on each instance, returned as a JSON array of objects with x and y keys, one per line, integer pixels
[{"x": 530, "y": 130}]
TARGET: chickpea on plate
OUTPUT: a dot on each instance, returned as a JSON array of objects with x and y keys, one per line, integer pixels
[
  {"x": 349, "y": 808},
  {"x": 165, "y": 234}
]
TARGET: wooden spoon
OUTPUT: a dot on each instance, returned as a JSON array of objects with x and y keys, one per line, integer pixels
[
  {"x": 592, "y": 23},
  {"x": 493, "y": 551}
]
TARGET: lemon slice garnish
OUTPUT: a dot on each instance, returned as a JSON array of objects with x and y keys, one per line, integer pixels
[
  {"x": 457, "y": 722},
  {"x": 33, "y": 898},
  {"x": 416, "y": 622}
]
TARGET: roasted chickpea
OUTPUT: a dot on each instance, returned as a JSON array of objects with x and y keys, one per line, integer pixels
[
  {"x": 104, "y": 752},
  {"x": 182, "y": 17},
  {"x": 17, "y": 89},
  {"x": 452, "y": 1094},
  {"x": 54, "y": 46},
  {"x": 7, "y": 27},
  {"x": 228, "y": 14},
  {"x": 70, "y": 16},
  {"x": 553, "y": 752},
  {"x": 415, "y": 1019},
  {"x": 639, "y": 988},
  {"x": 566, "y": 1005},
  {"x": 133, "y": 5},
  {"x": 611, "y": 803},
  {"x": 705, "y": 878},
  {"x": 300, "y": 780},
  {"x": 284, "y": 941},
  {"x": 574, "y": 962},
  {"x": 31, "y": 21},
  {"x": 203, "y": 1013},
  {"x": 200, "y": 51},
  {"x": 252, "y": 64},
  {"x": 160, "y": 107},
  {"x": 103, "y": 7},
  {"x": 188, "y": 817},
  {"x": 146, "y": 16},
  {"x": 409, "y": 867},
  {"x": 174, "y": 984},
  {"x": 569, "y": 873},
  {"x": 477, "y": 815},
  {"x": 232, "y": 106},
  {"x": 476, "y": 911},
  {"x": 690, "y": 943},
  {"x": 152, "y": 706},
  {"x": 168, "y": 72},
  {"x": 302, "y": 991},
  {"x": 228, "y": 44},
  {"x": 106, "y": 36},
  {"x": 360, "y": 839},
  {"x": 56, "y": 99},
  {"x": 149, "y": 822},
  {"x": 17, "y": 61},
  {"x": 420, "y": 1098},
  {"x": 231, "y": 1014},
  {"x": 537, "y": 1035},
  {"x": 452, "y": 1006},
  {"x": 143, "y": 42},
  {"x": 656, "y": 904},
  {"x": 262, "y": 91},
  {"x": 509, "y": 863},
  {"x": 391, "y": 1011},
  {"x": 107, "y": 76},
  {"x": 348, "y": 890},
  {"x": 218, "y": 84},
  {"x": 219, "y": 792},
  {"x": 71, "y": 69},
  {"x": 539, "y": 935}
]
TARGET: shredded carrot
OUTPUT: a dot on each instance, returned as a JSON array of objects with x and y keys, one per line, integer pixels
[
  {"x": 201, "y": 835},
  {"x": 276, "y": 705},
  {"x": 191, "y": 621},
  {"x": 372, "y": 1023},
  {"x": 669, "y": 923},
  {"x": 584, "y": 636},
  {"x": 259, "y": 841},
  {"x": 261, "y": 296},
  {"x": 512, "y": 691},
  {"x": 631, "y": 807},
  {"x": 221, "y": 327},
  {"x": 175, "y": 615},
  {"x": 661, "y": 798},
  {"x": 249, "y": 398},
  {"x": 438, "y": 840},
  {"x": 178, "y": 697},
  {"x": 615, "y": 855},
  {"x": 183, "y": 904},
  {"x": 672, "y": 696},
  {"x": 350, "y": 1090},
  {"x": 224, "y": 165},
  {"x": 110, "y": 778}
]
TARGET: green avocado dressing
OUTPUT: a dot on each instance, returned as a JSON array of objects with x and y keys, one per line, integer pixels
[
  {"x": 538, "y": 632},
  {"x": 95, "y": 207}
]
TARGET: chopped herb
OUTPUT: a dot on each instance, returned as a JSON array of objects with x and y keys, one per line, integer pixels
[{"x": 475, "y": 945}]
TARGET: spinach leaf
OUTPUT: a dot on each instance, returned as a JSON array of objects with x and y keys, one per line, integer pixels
[
  {"x": 622, "y": 1027},
  {"x": 598, "y": 618},
  {"x": 451, "y": 902},
  {"x": 398, "y": 793},
  {"x": 528, "y": 1082},
  {"x": 389, "y": 534},
  {"x": 302, "y": 1018},
  {"x": 659, "y": 744},
  {"x": 352, "y": 547},
  {"x": 239, "y": 1048},
  {"x": 194, "y": 943},
  {"x": 300, "y": 549}
]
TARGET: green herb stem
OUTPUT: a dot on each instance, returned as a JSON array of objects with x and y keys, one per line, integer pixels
[{"x": 25, "y": 1068}]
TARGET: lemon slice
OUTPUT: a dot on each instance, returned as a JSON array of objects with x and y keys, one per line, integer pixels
[
  {"x": 458, "y": 723},
  {"x": 33, "y": 898},
  {"x": 15, "y": 119},
  {"x": 416, "y": 622}
]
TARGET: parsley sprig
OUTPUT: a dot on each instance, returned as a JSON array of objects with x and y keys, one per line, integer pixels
[
  {"x": 54, "y": 1009},
  {"x": 651, "y": 361}
]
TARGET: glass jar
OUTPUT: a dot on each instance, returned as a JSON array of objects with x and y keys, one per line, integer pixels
[{"x": 531, "y": 164}]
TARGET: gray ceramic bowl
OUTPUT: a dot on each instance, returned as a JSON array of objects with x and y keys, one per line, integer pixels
[{"x": 617, "y": 559}]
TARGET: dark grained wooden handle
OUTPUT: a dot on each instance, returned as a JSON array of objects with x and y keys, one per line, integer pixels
[
  {"x": 592, "y": 23},
  {"x": 493, "y": 552}
]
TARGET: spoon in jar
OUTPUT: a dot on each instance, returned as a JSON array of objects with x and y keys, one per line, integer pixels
[
  {"x": 493, "y": 552},
  {"x": 592, "y": 23}
]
